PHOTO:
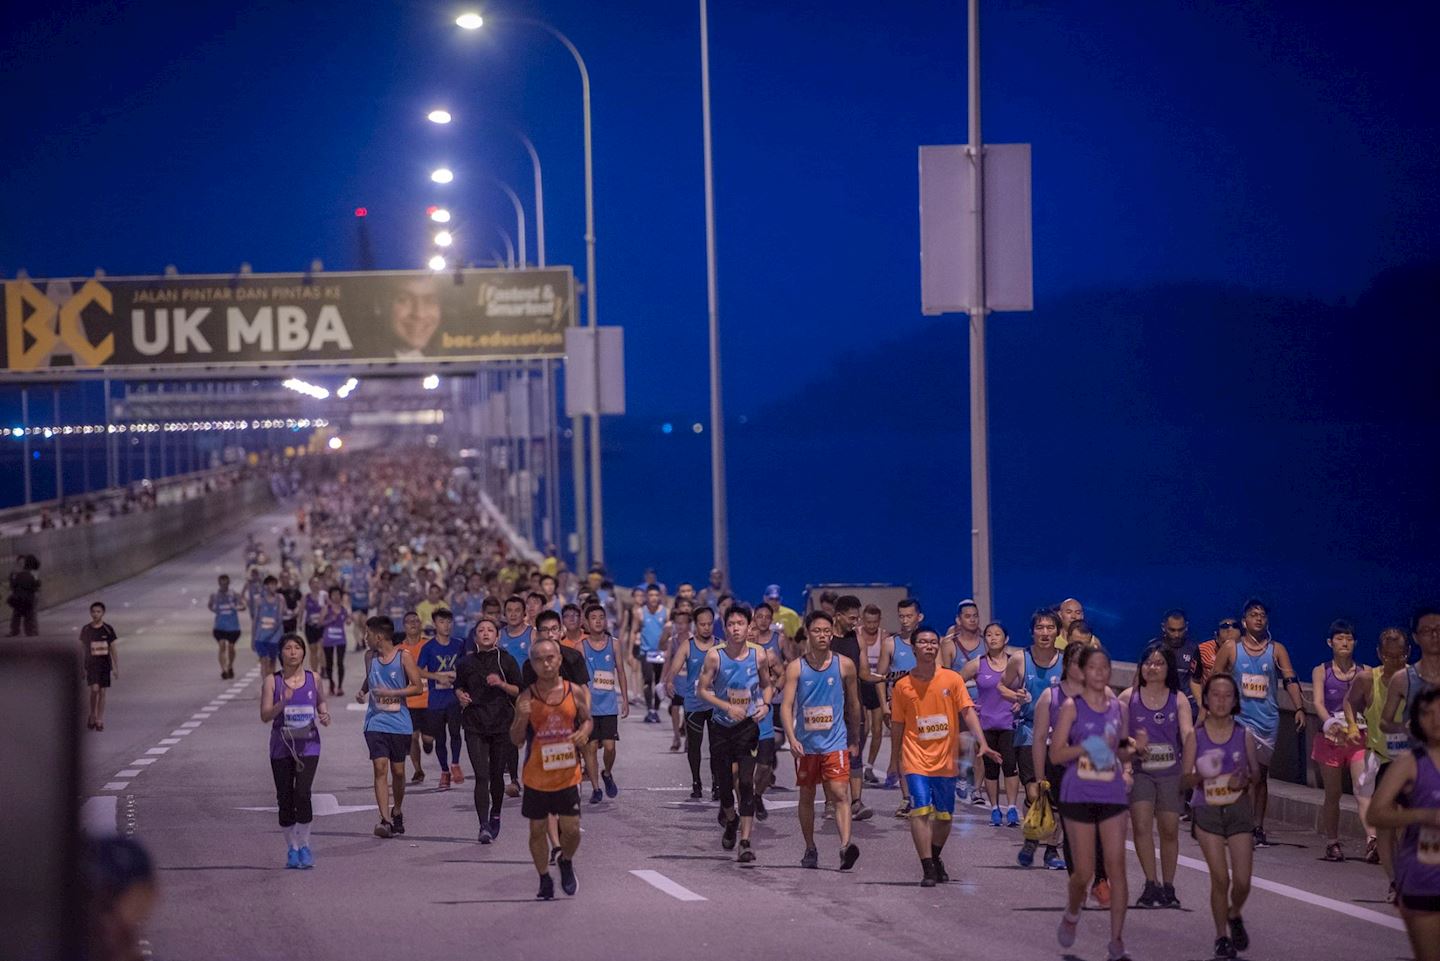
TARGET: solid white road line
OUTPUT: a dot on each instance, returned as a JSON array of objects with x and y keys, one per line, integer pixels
[
  {"x": 677, "y": 891},
  {"x": 1303, "y": 896},
  {"x": 97, "y": 816}
]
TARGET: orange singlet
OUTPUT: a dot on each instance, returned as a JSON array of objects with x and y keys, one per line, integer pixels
[{"x": 552, "y": 761}]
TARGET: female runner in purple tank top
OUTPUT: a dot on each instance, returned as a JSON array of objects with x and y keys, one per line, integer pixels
[
  {"x": 1221, "y": 767},
  {"x": 1089, "y": 741},
  {"x": 292, "y": 703},
  {"x": 999, "y": 691},
  {"x": 1156, "y": 707},
  {"x": 1408, "y": 800},
  {"x": 1341, "y": 743}
]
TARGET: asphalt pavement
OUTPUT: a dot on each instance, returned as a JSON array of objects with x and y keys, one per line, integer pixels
[{"x": 183, "y": 764}]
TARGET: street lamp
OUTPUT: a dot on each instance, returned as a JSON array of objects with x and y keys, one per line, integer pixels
[
  {"x": 438, "y": 116},
  {"x": 718, "y": 513},
  {"x": 472, "y": 21},
  {"x": 440, "y": 215},
  {"x": 437, "y": 263},
  {"x": 443, "y": 239},
  {"x": 442, "y": 175}
]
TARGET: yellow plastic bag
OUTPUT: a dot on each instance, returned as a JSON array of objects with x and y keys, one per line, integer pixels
[{"x": 1039, "y": 822}]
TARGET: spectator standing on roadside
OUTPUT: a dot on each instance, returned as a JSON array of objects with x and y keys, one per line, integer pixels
[{"x": 24, "y": 595}]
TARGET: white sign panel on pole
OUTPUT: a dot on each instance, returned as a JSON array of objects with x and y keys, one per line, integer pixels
[
  {"x": 947, "y": 229},
  {"x": 581, "y": 395}
]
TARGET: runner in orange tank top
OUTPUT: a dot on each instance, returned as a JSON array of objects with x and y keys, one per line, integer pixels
[{"x": 552, "y": 721}]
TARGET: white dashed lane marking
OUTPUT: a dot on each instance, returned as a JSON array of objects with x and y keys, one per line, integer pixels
[{"x": 659, "y": 881}]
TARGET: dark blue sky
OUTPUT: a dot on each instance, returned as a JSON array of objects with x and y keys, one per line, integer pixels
[{"x": 1289, "y": 146}]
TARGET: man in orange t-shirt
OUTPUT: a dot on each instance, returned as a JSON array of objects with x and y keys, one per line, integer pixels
[
  {"x": 419, "y": 705},
  {"x": 927, "y": 708}
]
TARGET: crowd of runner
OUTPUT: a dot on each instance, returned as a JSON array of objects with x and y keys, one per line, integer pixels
[{"x": 468, "y": 643}]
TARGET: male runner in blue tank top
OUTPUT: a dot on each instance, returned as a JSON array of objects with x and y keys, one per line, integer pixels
[
  {"x": 651, "y": 618},
  {"x": 820, "y": 712},
  {"x": 608, "y": 704},
  {"x": 680, "y": 676},
  {"x": 1261, "y": 665},
  {"x": 226, "y": 605}
]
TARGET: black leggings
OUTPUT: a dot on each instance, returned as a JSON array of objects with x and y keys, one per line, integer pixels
[
  {"x": 488, "y": 753},
  {"x": 446, "y": 720},
  {"x": 695, "y": 724},
  {"x": 1002, "y": 740},
  {"x": 293, "y": 779},
  {"x": 735, "y": 745},
  {"x": 335, "y": 664},
  {"x": 650, "y": 673}
]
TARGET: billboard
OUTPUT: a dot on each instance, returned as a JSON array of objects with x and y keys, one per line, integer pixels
[{"x": 241, "y": 321}]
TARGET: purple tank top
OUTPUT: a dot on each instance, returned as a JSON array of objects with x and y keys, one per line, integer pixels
[
  {"x": 1162, "y": 756},
  {"x": 1084, "y": 783},
  {"x": 1058, "y": 697},
  {"x": 1214, "y": 789},
  {"x": 995, "y": 713},
  {"x": 1335, "y": 691},
  {"x": 1417, "y": 860},
  {"x": 333, "y": 624},
  {"x": 294, "y": 731}
]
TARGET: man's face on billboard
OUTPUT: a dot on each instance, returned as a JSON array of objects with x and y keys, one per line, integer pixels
[{"x": 415, "y": 312}]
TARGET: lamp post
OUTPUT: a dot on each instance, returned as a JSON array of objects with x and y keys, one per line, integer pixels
[
  {"x": 717, "y": 413},
  {"x": 473, "y": 21}
]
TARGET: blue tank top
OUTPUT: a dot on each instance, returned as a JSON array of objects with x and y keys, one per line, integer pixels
[
  {"x": 737, "y": 682},
  {"x": 694, "y": 661},
  {"x": 652, "y": 623},
  {"x": 902, "y": 659},
  {"x": 397, "y": 602},
  {"x": 391, "y": 718},
  {"x": 357, "y": 585},
  {"x": 518, "y": 646},
  {"x": 767, "y": 722},
  {"x": 604, "y": 678},
  {"x": 1037, "y": 681},
  {"x": 820, "y": 708},
  {"x": 470, "y": 610},
  {"x": 267, "y": 620},
  {"x": 963, "y": 657},
  {"x": 227, "y": 610},
  {"x": 1257, "y": 679}
]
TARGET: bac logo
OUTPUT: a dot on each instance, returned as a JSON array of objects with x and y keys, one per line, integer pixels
[{"x": 36, "y": 330}]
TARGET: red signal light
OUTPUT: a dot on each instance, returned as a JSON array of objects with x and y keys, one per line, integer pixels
[
  {"x": 431, "y": 209},
  {"x": 361, "y": 211}
]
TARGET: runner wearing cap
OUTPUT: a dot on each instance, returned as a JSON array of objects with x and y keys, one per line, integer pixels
[{"x": 788, "y": 620}]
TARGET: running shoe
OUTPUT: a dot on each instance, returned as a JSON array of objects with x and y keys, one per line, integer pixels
[
  {"x": 1167, "y": 896},
  {"x": 398, "y": 820},
  {"x": 979, "y": 799},
  {"x": 611, "y": 788},
  {"x": 1333, "y": 852},
  {"x": 746, "y": 855},
  {"x": 941, "y": 876},
  {"x": 675, "y": 746},
  {"x": 554, "y": 855},
  {"x": 1152, "y": 897},
  {"x": 996, "y": 818},
  {"x": 292, "y": 858},
  {"x": 418, "y": 776},
  {"x": 1238, "y": 935},
  {"x": 1118, "y": 952},
  {"x": 903, "y": 811},
  {"x": 1391, "y": 895},
  {"x": 760, "y": 813},
  {"x": 732, "y": 830},
  {"x": 1224, "y": 949},
  {"x": 547, "y": 888},
  {"x": 444, "y": 781},
  {"x": 829, "y": 811},
  {"x": 810, "y": 859},
  {"x": 1101, "y": 893},
  {"x": 1012, "y": 817},
  {"x": 859, "y": 812},
  {"x": 849, "y": 854},
  {"x": 1026, "y": 857},
  {"x": 427, "y": 745},
  {"x": 1261, "y": 841},
  {"x": 697, "y": 791},
  {"x": 1372, "y": 851},
  {"x": 568, "y": 884},
  {"x": 869, "y": 776},
  {"x": 457, "y": 776},
  {"x": 512, "y": 789},
  {"x": 596, "y": 796},
  {"x": 892, "y": 781},
  {"x": 1065, "y": 933},
  {"x": 307, "y": 860},
  {"x": 384, "y": 829},
  {"x": 714, "y": 792},
  {"x": 494, "y": 826},
  {"x": 484, "y": 837},
  {"x": 927, "y": 873},
  {"x": 1053, "y": 860}
]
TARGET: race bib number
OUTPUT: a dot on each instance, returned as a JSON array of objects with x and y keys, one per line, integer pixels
[
  {"x": 1427, "y": 846},
  {"x": 335, "y": 633},
  {"x": 387, "y": 703},
  {"x": 654, "y": 657},
  {"x": 299, "y": 719},
  {"x": 1219, "y": 792},
  {"x": 932, "y": 727},
  {"x": 1158, "y": 757},
  {"x": 1255, "y": 686},
  {"x": 820, "y": 717},
  {"x": 557, "y": 757},
  {"x": 1396, "y": 743},
  {"x": 1087, "y": 771},
  {"x": 267, "y": 623},
  {"x": 99, "y": 648},
  {"x": 738, "y": 697},
  {"x": 603, "y": 681}
]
